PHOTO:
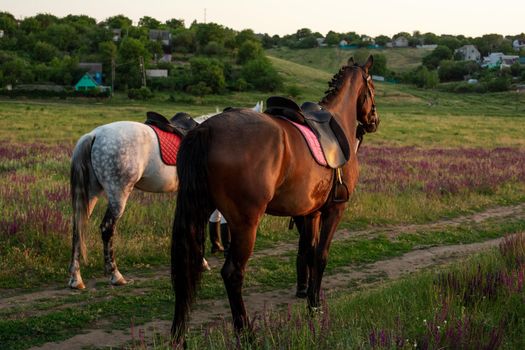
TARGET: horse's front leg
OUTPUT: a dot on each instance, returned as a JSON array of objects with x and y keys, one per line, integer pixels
[
  {"x": 308, "y": 227},
  {"x": 330, "y": 218}
]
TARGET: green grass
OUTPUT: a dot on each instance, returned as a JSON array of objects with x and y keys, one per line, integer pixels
[{"x": 331, "y": 59}]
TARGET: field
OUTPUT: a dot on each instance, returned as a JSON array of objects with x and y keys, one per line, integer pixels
[{"x": 442, "y": 179}]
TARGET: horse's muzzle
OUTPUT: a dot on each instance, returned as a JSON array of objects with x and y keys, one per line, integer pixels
[{"x": 373, "y": 124}]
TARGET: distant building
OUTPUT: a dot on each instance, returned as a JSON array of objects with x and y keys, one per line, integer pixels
[
  {"x": 343, "y": 43},
  {"x": 1, "y": 33},
  {"x": 117, "y": 34},
  {"x": 469, "y": 53},
  {"x": 518, "y": 44},
  {"x": 94, "y": 69},
  {"x": 427, "y": 46},
  {"x": 320, "y": 42},
  {"x": 160, "y": 35},
  {"x": 498, "y": 59},
  {"x": 87, "y": 83},
  {"x": 400, "y": 41},
  {"x": 157, "y": 73}
]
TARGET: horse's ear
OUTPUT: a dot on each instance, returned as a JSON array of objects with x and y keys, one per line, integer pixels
[
  {"x": 350, "y": 61},
  {"x": 369, "y": 63}
]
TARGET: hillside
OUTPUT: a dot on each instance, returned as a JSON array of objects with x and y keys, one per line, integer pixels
[{"x": 330, "y": 59}]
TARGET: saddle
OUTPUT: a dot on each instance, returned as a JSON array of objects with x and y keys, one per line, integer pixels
[
  {"x": 180, "y": 124},
  {"x": 331, "y": 136}
]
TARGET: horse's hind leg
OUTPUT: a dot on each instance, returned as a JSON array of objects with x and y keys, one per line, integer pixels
[
  {"x": 75, "y": 278},
  {"x": 116, "y": 206},
  {"x": 241, "y": 247}
]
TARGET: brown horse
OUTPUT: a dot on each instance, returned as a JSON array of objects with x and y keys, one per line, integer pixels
[{"x": 247, "y": 164}]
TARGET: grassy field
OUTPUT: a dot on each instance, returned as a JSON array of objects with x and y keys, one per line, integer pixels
[
  {"x": 436, "y": 156},
  {"x": 330, "y": 59}
]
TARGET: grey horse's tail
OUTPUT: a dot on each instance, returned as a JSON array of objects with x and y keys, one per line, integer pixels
[
  {"x": 193, "y": 209},
  {"x": 80, "y": 169}
]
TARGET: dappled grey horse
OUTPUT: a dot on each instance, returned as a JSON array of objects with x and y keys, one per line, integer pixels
[{"x": 114, "y": 158}]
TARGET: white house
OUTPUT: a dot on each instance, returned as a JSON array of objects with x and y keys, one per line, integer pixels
[
  {"x": 343, "y": 43},
  {"x": 469, "y": 53},
  {"x": 498, "y": 59},
  {"x": 157, "y": 73},
  {"x": 400, "y": 41},
  {"x": 518, "y": 44}
]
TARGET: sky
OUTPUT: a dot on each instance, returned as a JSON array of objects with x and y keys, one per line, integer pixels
[{"x": 468, "y": 17}]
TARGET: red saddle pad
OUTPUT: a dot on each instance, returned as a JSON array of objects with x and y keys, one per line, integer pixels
[{"x": 169, "y": 145}]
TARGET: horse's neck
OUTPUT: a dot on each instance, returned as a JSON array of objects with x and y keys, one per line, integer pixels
[{"x": 344, "y": 108}]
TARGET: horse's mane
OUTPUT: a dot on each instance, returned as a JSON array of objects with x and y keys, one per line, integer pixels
[{"x": 336, "y": 83}]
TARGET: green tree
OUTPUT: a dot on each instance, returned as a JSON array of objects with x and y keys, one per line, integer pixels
[
  {"x": 128, "y": 68},
  {"x": 208, "y": 71},
  {"x": 260, "y": 74},
  {"x": 246, "y": 35},
  {"x": 118, "y": 22},
  {"x": 149, "y": 22},
  {"x": 183, "y": 40},
  {"x": 439, "y": 54},
  {"x": 382, "y": 40},
  {"x": 332, "y": 38},
  {"x": 249, "y": 50},
  {"x": 44, "y": 52},
  {"x": 174, "y": 23},
  {"x": 8, "y": 23}
]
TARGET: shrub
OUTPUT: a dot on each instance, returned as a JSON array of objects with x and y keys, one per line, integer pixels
[
  {"x": 140, "y": 94},
  {"x": 260, "y": 74}
]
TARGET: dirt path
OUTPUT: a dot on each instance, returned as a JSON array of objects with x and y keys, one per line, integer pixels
[
  {"x": 282, "y": 248},
  {"x": 363, "y": 275},
  {"x": 208, "y": 311}
]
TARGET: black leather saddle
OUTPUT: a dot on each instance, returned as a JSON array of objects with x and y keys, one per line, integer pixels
[
  {"x": 331, "y": 136},
  {"x": 180, "y": 124}
]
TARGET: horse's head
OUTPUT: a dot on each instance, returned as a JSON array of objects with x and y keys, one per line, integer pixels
[{"x": 366, "y": 107}]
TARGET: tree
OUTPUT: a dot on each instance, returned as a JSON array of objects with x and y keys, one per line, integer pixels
[
  {"x": 175, "y": 23},
  {"x": 439, "y": 54},
  {"x": 128, "y": 69},
  {"x": 260, "y": 74},
  {"x": 246, "y": 35},
  {"x": 118, "y": 22},
  {"x": 332, "y": 38},
  {"x": 183, "y": 40},
  {"x": 44, "y": 52},
  {"x": 62, "y": 36},
  {"x": 249, "y": 50},
  {"x": 149, "y": 22},
  {"x": 208, "y": 71},
  {"x": 382, "y": 40},
  {"x": 8, "y": 23}
]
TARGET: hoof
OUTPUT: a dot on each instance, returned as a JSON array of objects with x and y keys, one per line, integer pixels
[
  {"x": 205, "y": 265},
  {"x": 77, "y": 285},
  {"x": 301, "y": 293},
  {"x": 120, "y": 282}
]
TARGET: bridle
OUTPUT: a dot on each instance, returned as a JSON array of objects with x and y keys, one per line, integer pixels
[{"x": 361, "y": 130}]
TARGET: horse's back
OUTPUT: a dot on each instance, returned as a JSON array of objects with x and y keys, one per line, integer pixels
[{"x": 265, "y": 157}]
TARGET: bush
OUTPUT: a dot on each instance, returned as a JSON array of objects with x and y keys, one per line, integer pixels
[
  {"x": 422, "y": 77},
  {"x": 209, "y": 72},
  {"x": 498, "y": 84},
  {"x": 293, "y": 91},
  {"x": 199, "y": 89},
  {"x": 140, "y": 94},
  {"x": 260, "y": 74}
]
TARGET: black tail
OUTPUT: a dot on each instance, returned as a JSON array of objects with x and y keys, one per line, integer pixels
[
  {"x": 80, "y": 169},
  {"x": 191, "y": 215}
]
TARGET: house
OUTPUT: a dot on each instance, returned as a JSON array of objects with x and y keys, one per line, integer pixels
[
  {"x": 522, "y": 60},
  {"x": 157, "y": 73},
  {"x": 320, "y": 42},
  {"x": 94, "y": 69},
  {"x": 87, "y": 83},
  {"x": 469, "y": 53},
  {"x": 160, "y": 35},
  {"x": 117, "y": 34},
  {"x": 498, "y": 59},
  {"x": 518, "y": 44},
  {"x": 343, "y": 43},
  {"x": 400, "y": 41},
  {"x": 1, "y": 33}
]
